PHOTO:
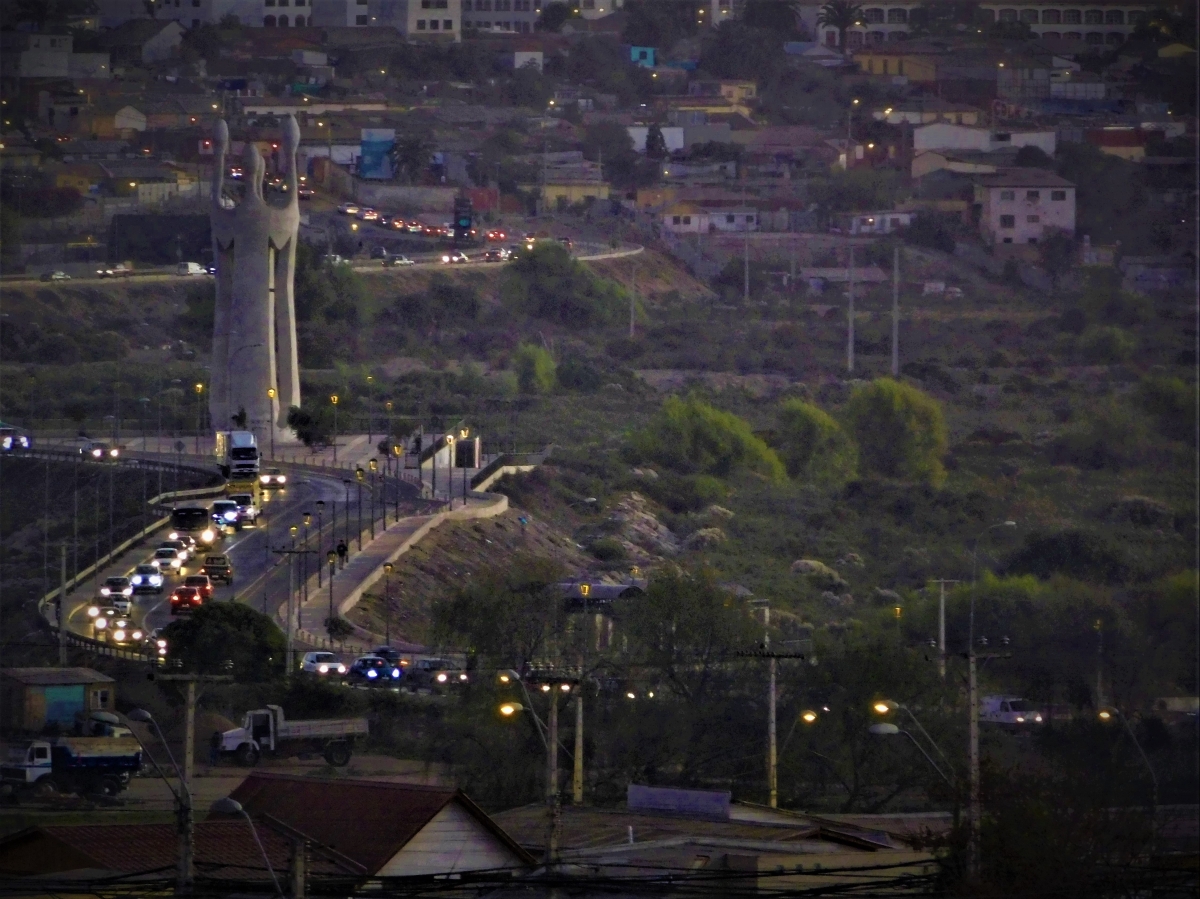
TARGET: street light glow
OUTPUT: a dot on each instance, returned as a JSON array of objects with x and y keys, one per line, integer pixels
[{"x": 809, "y": 717}]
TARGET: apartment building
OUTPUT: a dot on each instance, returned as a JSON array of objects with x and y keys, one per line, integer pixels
[
  {"x": 512, "y": 16},
  {"x": 1096, "y": 22},
  {"x": 431, "y": 19},
  {"x": 1020, "y": 206}
]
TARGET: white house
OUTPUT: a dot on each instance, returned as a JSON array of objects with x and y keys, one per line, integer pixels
[
  {"x": 948, "y": 136},
  {"x": 733, "y": 219},
  {"x": 1020, "y": 206},
  {"x": 35, "y": 55},
  {"x": 879, "y": 222},
  {"x": 413, "y": 18},
  {"x": 684, "y": 218}
]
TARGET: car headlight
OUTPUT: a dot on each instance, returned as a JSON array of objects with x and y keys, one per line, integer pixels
[
  {"x": 136, "y": 580},
  {"x": 161, "y": 643},
  {"x": 113, "y": 453},
  {"x": 230, "y": 516},
  {"x": 396, "y": 672},
  {"x": 372, "y": 673},
  {"x": 1020, "y": 719},
  {"x": 119, "y": 635},
  {"x": 128, "y": 591},
  {"x": 93, "y": 611},
  {"x": 175, "y": 563},
  {"x": 281, "y": 479},
  {"x": 441, "y": 678},
  {"x": 445, "y": 259},
  {"x": 104, "y": 591},
  {"x": 341, "y": 668},
  {"x": 101, "y": 624},
  {"x": 322, "y": 669},
  {"x": 209, "y": 536},
  {"x": 462, "y": 677},
  {"x": 97, "y": 453},
  {"x": 156, "y": 580},
  {"x": 162, "y": 650},
  {"x": 137, "y": 635},
  {"x": 174, "y": 535},
  {"x": 1037, "y": 719},
  {"x": 264, "y": 479},
  {"x": 156, "y": 563}
]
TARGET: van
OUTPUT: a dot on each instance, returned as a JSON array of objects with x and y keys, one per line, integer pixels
[{"x": 190, "y": 268}]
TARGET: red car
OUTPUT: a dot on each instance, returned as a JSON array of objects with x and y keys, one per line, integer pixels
[
  {"x": 185, "y": 599},
  {"x": 202, "y": 584}
]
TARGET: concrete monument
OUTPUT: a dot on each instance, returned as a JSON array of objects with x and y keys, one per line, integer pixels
[{"x": 254, "y": 331}]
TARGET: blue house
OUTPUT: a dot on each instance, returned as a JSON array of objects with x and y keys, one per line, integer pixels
[{"x": 642, "y": 56}]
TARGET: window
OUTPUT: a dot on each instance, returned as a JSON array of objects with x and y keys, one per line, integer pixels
[
  {"x": 195, "y": 3},
  {"x": 299, "y": 21},
  {"x": 676, "y": 219},
  {"x": 420, "y": 24},
  {"x": 1093, "y": 17},
  {"x": 1030, "y": 16},
  {"x": 466, "y": 6},
  {"x": 1033, "y": 219},
  {"x": 268, "y": 21},
  {"x": 687, "y": 219},
  {"x": 433, "y": 24},
  {"x": 729, "y": 219},
  {"x": 1008, "y": 15},
  {"x": 1114, "y": 17},
  {"x": 872, "y": 16},
  {"x": 99, "y": 699},
  {"x": 1058, "y": 195},
  {"x": 448, "y": 25},
  {"x": 1072, "y": 17},
  {"x": 298, "y": 3},
  {"x": 1008, "y": 195},
  {"x": 897, "y": 16},
  {"x": 1008, "y": 240},
  {"x": 195, "y": 23},
  {"x": 1008, "y": 221},
  {"x": 283, "y": 2},
  {"x": 1051, "y": 17},
  {"x": 1033, "y": 195},
  {"x": 268, "y": 2},
  {"x": 283, "y": 21},
  {"x": 1032, "y": 240}
]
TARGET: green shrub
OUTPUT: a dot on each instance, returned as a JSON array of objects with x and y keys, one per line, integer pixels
[
  {"x": 813, "y": 446},
  {"x": 608, "y": 549},
  {"x": 1172, "y": 404},
  {"x": 1106, "y": 345},
  {"x": 1082, "y": 555},
  {"x": 691, "y": 437},
  {"x": 1112, "y": 437},
  {"x": 899, "y": 430},
  {"x": 579, "y": 374},
  {"x": 548, "y": 284},
  {"x": 685, "y": 493},
  {"x": 535, "y": 369}
]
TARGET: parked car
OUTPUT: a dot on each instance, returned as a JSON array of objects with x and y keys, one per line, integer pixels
[
  {"x": 146, "y": 579},
  {"x": 1010, "y": 712},
  {"x": 398, "y": 259},
  {"x": 334, "y": 259},
  {"x": 56, "y": 276},
  {"x": 322, "y": 663}
]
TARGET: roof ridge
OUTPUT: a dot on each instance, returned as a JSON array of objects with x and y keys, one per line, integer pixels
[{"x": 343, "y": 781}]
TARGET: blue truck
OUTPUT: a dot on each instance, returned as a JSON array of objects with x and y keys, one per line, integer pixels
[{"x": 82, "y": 765}]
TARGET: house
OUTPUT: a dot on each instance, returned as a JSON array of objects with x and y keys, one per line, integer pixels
[
  {"x": 642, "y": 56},
  {"x": 925, "y": 111},
  {"x": 881, "y": 22},
  {"x": 738, "y": 218},
  {"x": 32, "y": 699},
  {"x": 426, "y": 19},
  {"x": 735, "y": 91},
  {"x": 1097, "y": 22},
  {"x": 1020, "y": 206},
  {"x": 96, "y": 66},
  {"x": 85, "y": 177},
  {"x": 24, "y": 55},
  {"x": 966, "y": 162},
  {"x": 521, "y": 59},
  {"x": 945, "y": 136},
  {"x": 879, "y": 222},
  {"x": 1153, "y": 273},
  {"x": 142, "y": 41},
  {"x": 503, "y": 16},
  {"x": 386, "y": 829},
  {"x": 672, "y": 137},
  {"x": 814, "y": 52},
  {"x": 1124, "y": 142},
  {"x": 916, "y": 61},
  {"x": 224, "y": 850},
  {"x": 684, "y": 218}
]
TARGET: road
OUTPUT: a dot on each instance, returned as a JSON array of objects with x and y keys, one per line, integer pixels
[{"x": 261, "y": 576}]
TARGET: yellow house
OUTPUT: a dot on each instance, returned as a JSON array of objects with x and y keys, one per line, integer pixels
[
  {"x": 916, "y": 67},
  {"x": 1175, "y": 51},
  {"x": 568, "y": 193},
  {"x": 83, "y": 176}
]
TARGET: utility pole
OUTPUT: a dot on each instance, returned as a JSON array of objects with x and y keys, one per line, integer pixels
[
  {"x": 62, "y": 606},
  {"x": 291, "y": 609},
  {"x": 850, "y": 316},
  {"x": 632, "y": 297},
  {"x": 577, "y": 773},
  {"x": 942, "y": 582},
  {"x": 552, "y": 781},
  {"x": 896, "y": 312}
]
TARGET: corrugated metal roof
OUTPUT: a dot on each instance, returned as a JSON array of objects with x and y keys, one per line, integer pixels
[
  {"x": 368, "y": 821},
  {"x": 55, "y": 677}
]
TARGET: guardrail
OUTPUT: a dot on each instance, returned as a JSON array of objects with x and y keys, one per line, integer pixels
[{"x": 494, "y": 469}]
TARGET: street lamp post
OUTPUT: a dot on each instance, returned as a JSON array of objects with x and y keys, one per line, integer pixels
[
  {"x": 346, "y": 484},
  {"x": 334, "y": 400},
  {"x": 320, "y": 535},
  {"x": 359, "y": 475},
  {"x": 387, "y": 603},
  {"x": 271, "y": 406},
  {"x": 332, "y": 559},
  {"x": 199, "y": 388},
  {"x": 373, "y": 464},
  {"x": 449, "y": 468},
  {"x": 370, "y": 406},
  {"x": 304, "y": 557},
  {"x": 185, "y": 868},
  {"x": 228, "y": 806},
  {"x": 974, "y": 807},
  {"x": 1107, "y": 714}
]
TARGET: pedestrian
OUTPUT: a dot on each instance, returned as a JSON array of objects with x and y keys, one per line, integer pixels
[{"x": 342, "y": 550}]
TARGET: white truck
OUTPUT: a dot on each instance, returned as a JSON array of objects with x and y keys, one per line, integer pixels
[
  {"x": 237, "y": 455},
  {"x": 267, "y": 731},
  {"x": 1010, "y": 712}
]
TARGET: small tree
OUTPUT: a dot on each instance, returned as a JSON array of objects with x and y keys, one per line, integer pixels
[
  {"x": 900, "y": 431},
  {"x": 535, "y": 368},
  {"x": 311, "y": 425},
  {"x": 1056, "y": 251},
  {"x": 813, "y": 446},
  {"x": 842, "y": 15},
  {"x": 338, "y": 628},
  {"x": 239, "y": 420},
  {"x": 656, "y": 144}
]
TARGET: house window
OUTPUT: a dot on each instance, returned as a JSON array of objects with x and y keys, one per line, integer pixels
[
  {"x": 1008, "y": 221},
  {"x": 448, "y": 25},
  {"x": 283, "y": 2},
  {"x": 897, "y": 16},
  {"x": 1114, "y": 17},
  {"x": 1093, "y": 17},
  {"x": 433, "y": 24},
  {"x": 676, "y": 219},
  {"x": 360, "y": 20},
  {"x": 299, "y": 21},
  {"x": 420, "y": 24},
  {"x": 1008, "y": 240},
  {"x": 687, "y": 219},
  {"x": 1072, "y": 17},
  {"x": 466, "y": 7},
  {"x": 268, "y": 21},
  {"x": 1008, "y": 15},
  {"x": 283, "y": 21},
  {"x": 100, "y": 699},
  {"x": 1058, "y": 195},
  {"x": 1033, "y": 195},
  {"x": 268, "y": 2},
  {"x": 1051, "y": 17},
  {"x": 1030, "y": 16},
  {"x": 872, "y": 16},
  {"x": 1032, "y": 240},
  {"x": 1008, "y": 195},
  {"x": 1033, "y": 219},
  {"x": 426, "y": 4},
  {"x": 729, "y": 219}
]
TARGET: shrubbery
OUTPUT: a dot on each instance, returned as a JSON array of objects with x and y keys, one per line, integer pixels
[
  {"x": 535, "y": 369},
  {"x": 900, "y": 431},
  {"x": 548, "y": 284},
  {"x": 813, "y": 446}
]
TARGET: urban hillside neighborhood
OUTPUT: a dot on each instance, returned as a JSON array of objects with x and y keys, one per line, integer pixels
[{"x": 633, "y": 448}]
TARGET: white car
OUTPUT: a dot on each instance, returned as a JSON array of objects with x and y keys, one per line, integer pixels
[
  {"x": 146, "y": 579},
  {"x": 247, "y": 511},
  {"x": 272, "y": 477},
  {"x": 1009, "y": 712},
  {"x": 322, "y": 663},
  {"x": 455, "y": 258},
  {"x": 167, "y": 560},
  {"x": 349, "y": 208}
]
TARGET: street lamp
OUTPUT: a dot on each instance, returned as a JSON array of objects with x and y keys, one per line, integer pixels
[
  {"x": 230, "y": 806},
  {"x": 334, "y": 399},
  {"x": 360, "y": 476},
  {"x": 320, "y": 530},
  {"x": 388, "y": 567},
  {"x": 974, "y": 809},
  {"x": 199, "y": 388},
  {"x": 373, "y": 465},
  {"x": 332, "y": 558},
  {"x": 185, "y": 870},
  {"x": 271, "y": 398},
  {"x": 346, "y": 484},
  {"x": 887, "y": 706},
  {"x": 304, "y": 556},
  {"x": 1107, "y": 714},
  {"x": 849, "y": 120},
  {"x": 449, "y": 468},
  {"x": 891, "y": 730},
  {"x": 370, "y": 404}
]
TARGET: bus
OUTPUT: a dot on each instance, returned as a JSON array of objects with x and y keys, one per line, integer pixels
[{"x": 196, "y": 521}]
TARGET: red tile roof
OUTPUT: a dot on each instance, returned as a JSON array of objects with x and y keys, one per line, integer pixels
[
  {"x": 225, "y": 849},
  {"x": 368, "y": 821}
]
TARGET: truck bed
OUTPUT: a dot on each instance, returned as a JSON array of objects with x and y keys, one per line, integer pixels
[{"x": 326, "y": 727}]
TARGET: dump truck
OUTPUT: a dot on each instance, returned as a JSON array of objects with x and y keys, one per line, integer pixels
[
  {"x": 72, "y": 765},
  {"x": 266, "y": 731}
]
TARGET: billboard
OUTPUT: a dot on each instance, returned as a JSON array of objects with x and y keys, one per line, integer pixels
[{"x": 375, "y": 153}]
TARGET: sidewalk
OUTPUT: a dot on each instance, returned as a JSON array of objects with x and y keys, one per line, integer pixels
[{"x": 364, "y": 569}]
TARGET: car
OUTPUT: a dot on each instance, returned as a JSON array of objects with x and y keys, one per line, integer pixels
[
  {"x": 305, "y": 193},
  {"x": 1009, "y": 712},
  {"x": 55, "y": 276},
  {"x": 236, "y": 172},
  {"x": 146, "y": 579},
  {"x": 272, "y": 477},
  {"x": 415, "y": 228},
  {"x": 120, "y": 270},
  {"x": 373, "y": 669},
  {"x": 225, "y": 513},
  {"x": 185, "y": 599},
  {"x": 218, "y": 568},
  {"x": 496, "y": 255},
  {"x": 247, "y": 510},
  {"x": 116, "y": 587},
  {"x": 322, "y": 663},
  {"x": 334, "y": 259},
  {"x": 99, "y": 451},
  {"x": 179, "y": 546},
  {"x": 202, "y": 583},
  {"x": 398, "y": 259},
  {"x": 566, "y": 242},
  {"x": 384, "y": 221},
  {"x": 167, "y": 560},
  {"x": 398, "y": 224},
  {"x": 368, "y": 215},
  {"x": 211, "y": 269},
  {"x": 496, "y": 235},
  {"x": 387, "y": 652},
  {"x": 123, "y": 632},
  {"x": 434, "y": 675},
  {"x": 379, "y": 252},
  {"x": 455, "y": 258},
  {"x": 349, "y": 208}
]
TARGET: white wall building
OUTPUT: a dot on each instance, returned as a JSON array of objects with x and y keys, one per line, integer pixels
[
  {"x": 1019, "y": 206},
  {"x": 505, "y": 16},
  {"x": 947, "y": 136},
  {"x": 36, "y": 55}
]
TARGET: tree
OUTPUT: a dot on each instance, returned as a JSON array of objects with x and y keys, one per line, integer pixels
[
  {"x": 548, "y": 284},
  {"x": 553, "y": 17},
  {"x": 1056, "y": 252},
  {"x": 735, "y": 50},
  {"x": 900, "y": 431},
  {"x": 218, "y": 633},
  {"x": 10, "y": 233},
  {"x": 656, "y": 144},
  {"x": 610, "y": 143},
  {"x": 813, "y": 446},
  {"x": 312, "y": 426},
  {"x": 1033, "y": 157},
  {"x": 778, "y": 16},
  {"x": 691, "y": 437},
  {"x": 535, "y": 369},
  {"x": 410, "y": 156},
  {"x": 841, "y": 15},
  {"x": 1172, "y": 403}
]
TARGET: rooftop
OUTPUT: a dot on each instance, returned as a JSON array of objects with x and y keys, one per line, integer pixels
[
  {"x": 1020, "y": 177},
  {"x": 53, "y": 677}
]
